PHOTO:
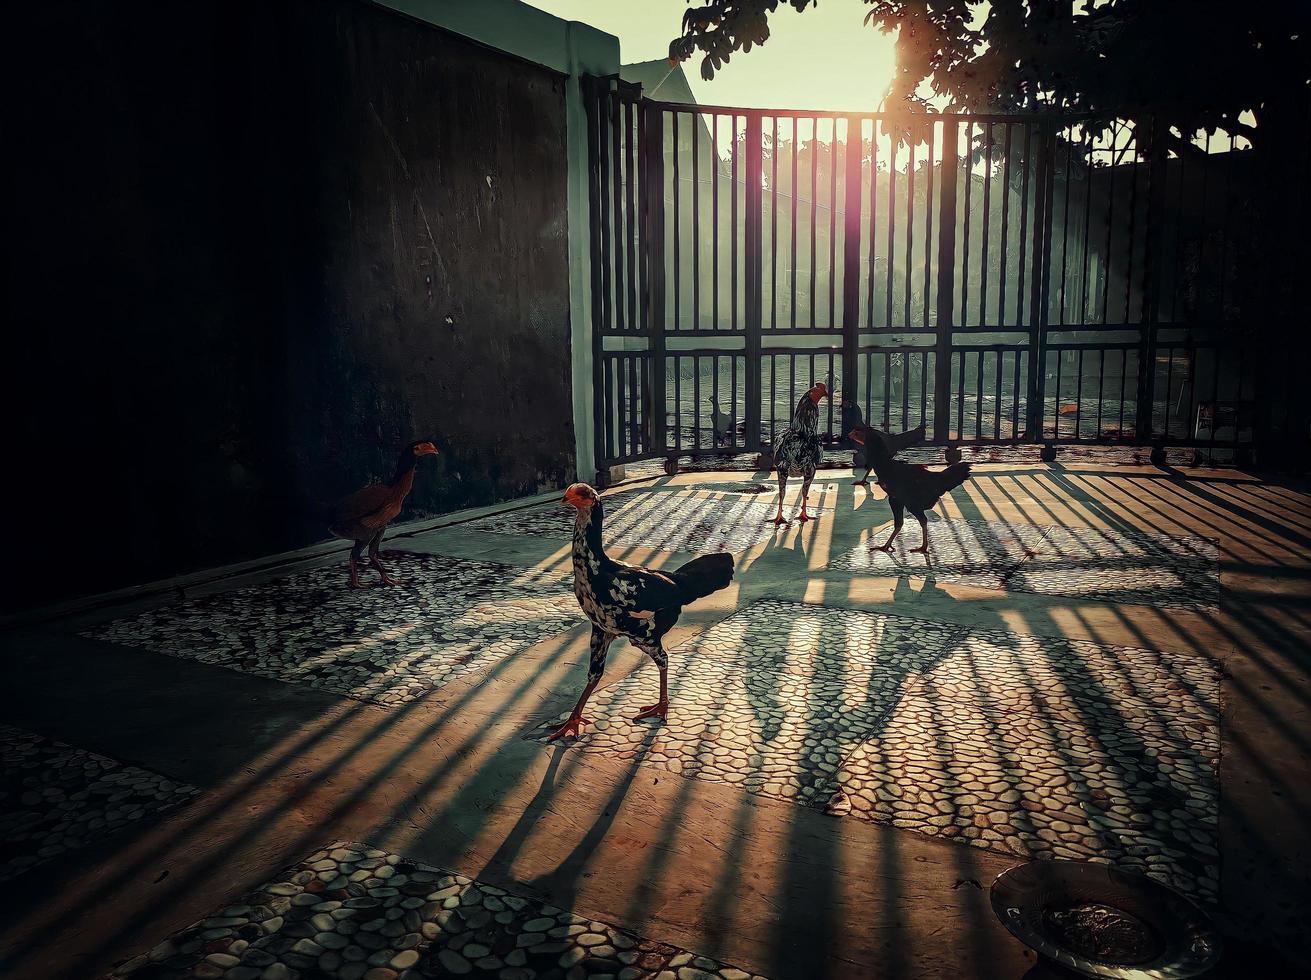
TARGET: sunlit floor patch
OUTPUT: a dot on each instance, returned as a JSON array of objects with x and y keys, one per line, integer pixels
[
  {"x": 351, "y": 911},
  {"x": 676, "y": 521},
  {"x": 55, "y": 798},
  {"x": 446, "y": 618},
  {"x": 1136, "y": 567},
  {"x": 1029, "y": 744}
]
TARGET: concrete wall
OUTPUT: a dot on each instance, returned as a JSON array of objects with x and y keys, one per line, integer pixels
[{"x": 254, "y": 247}]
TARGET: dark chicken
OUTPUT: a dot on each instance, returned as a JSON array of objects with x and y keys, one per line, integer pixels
[
  {"x": 641, "y": 604},
  {"x": 894, "y": 443},
  {"x": 363, "y": 515},
  {"x": 908, "y": 486},
  {"x": 797, "y": 450}
]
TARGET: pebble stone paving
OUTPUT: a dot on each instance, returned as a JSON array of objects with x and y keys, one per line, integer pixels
[
  {"x": 55, "y": 798},
  {"x": 445, "y": 619},
  {"x": 1036, "y": 746},
  {"x": 354, "y": 912},
  {"x": 670, "y": 521},
  {"x": 1137, "y": 567}
]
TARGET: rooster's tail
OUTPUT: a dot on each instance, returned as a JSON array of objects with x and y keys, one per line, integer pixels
[
  {"x": 704, "y": 575},
  {"x": 954, "y": 475}
]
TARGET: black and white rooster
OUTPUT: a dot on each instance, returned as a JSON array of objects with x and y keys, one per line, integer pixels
[
  {"x": 625, "y": 600},
  {"x": 797, "y": 450}
]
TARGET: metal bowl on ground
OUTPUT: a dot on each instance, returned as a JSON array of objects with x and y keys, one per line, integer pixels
[{"x": 1102, "y": 921}]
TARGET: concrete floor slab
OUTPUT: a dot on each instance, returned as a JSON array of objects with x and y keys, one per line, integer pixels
[
  {"x": 448, "y": 779},
  {"x": 443, "y": 619}
]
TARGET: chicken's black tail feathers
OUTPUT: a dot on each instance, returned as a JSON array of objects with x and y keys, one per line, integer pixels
[
  {"x": 704, "y": 575},
  {"x": 954, "y": 475}
]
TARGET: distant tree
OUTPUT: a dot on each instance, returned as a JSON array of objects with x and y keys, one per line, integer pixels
[{"x": 1193, "y": 64}]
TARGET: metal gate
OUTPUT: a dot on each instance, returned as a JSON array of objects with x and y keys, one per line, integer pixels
[{"x": 1001, "y": 279}]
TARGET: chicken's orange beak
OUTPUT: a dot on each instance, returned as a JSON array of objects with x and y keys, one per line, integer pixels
[{"x": 855, "y": 436}]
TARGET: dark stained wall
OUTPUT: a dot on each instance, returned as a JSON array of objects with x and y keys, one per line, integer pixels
[{"x": 252, "y": 248}]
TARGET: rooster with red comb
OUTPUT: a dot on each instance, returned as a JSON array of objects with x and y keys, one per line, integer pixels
[
  {"x": 797, "y": 450},
  {"x": 640, "y": 604}
]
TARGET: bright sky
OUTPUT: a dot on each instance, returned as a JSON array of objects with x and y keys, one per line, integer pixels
[{"x": 824, "y": 58}]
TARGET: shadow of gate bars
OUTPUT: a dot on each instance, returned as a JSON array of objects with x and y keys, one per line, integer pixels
[{"x": 1001, "y": 279}]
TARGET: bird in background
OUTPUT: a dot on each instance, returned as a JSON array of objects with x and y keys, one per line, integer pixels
[
  {"x": 363, "y": 515},
  {"x": 909, "y": 486},
  {"x": 797, "y": 450},
  {"x": 894, "y": 443},
  {"x": 622, "y": 600},
  {"x": 721, "y": 423}
]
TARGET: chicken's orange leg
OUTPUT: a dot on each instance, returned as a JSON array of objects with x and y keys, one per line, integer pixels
[
  {"x": 805, "y": 496},
  {"x": 897, "y": 519},
  {"x": 600, "y": 644},
  {"x": 570, "y": 728},
  {"x": 355, "y": 565},
  {"x": 661, "y": 708},
  {"x": 782, "y": 489},
  {"x": 376, "y": 561},
  {"x": 923, "y": 549}
]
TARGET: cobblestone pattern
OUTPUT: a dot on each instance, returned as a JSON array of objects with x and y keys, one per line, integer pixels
[
  {"x": 446, "y": 618},
  {"x": 1033, "y": 745},
  {"x": 672, "y": 521},
  {"x": 1091, "y": 563},
  {"x": 352, "y": 912},
  {"x": 55, "y": 798}
]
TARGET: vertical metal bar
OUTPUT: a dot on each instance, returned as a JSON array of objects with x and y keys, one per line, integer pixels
[
  {"x": 698, "y": 124},
  {"x": 678, "y": 402},
  {"x": 833, "y": 228},
  {"x": 733, "y": 226},
  {"x": 630, "y": 192},
  {"x": 1124, "y": 377},
  {"x": 978, "y": 398},
  {"x": 905, "y": 389},
  {"x": 946, "y": 282},
  {"x": 1133, "y": 210},
  {"x": 1101, "y": 385},
  {"x": 591, "y": 102},
  {"x": 1107, "y": 263},
  {"x": 910, "y": 226},
  {"x": 753, "y": 148},
  {"x": 607, "y": 271},
  {"x": 678, "y": 265},
  {"x": 1060, "y": 363},
  {"x": 773, "y": 398},
  {"x": 1024, "y": 225},
  {"x": 1005, "y": 225},
  {"x": 773, "y": 231},
  {"x": 1065, "y": 217},
  {"x": 1038, "y": 294},
  {"x": 987, "y": 219},
  {"x": 887, "y": 390},
  {"x": 960, "y": 396},
  {"x": 1084, "y": 315},
  {"x": 965, "y": 232},
  {"x": 609, "y": 401},
  {"x": 873, "y": 219},
  {"x": 1015, "y": 395},
  {"x": 851, "y": 256},
  {"x": 1169, "y": 387},
  {"x": 928, "y": 230},
  {"x": 794, "y": 225},
  {"x": 892, "y": 222},
  {"x": 652, "y": 133},
  {"x": 1151, "y": 280},
  {"x": 616, "y": 112},
  {"x": 733, "y": 415},
  {"x": 814, "y": 213},
  {"x": 714, "y": 220},
  {"x": 696, "y": 402},
  {"x": 1078, "y": 400},
  {"x": 996, "y": 422}
]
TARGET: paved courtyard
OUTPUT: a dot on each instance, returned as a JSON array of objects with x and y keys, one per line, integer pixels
[{"x": 278, "y": 777}]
